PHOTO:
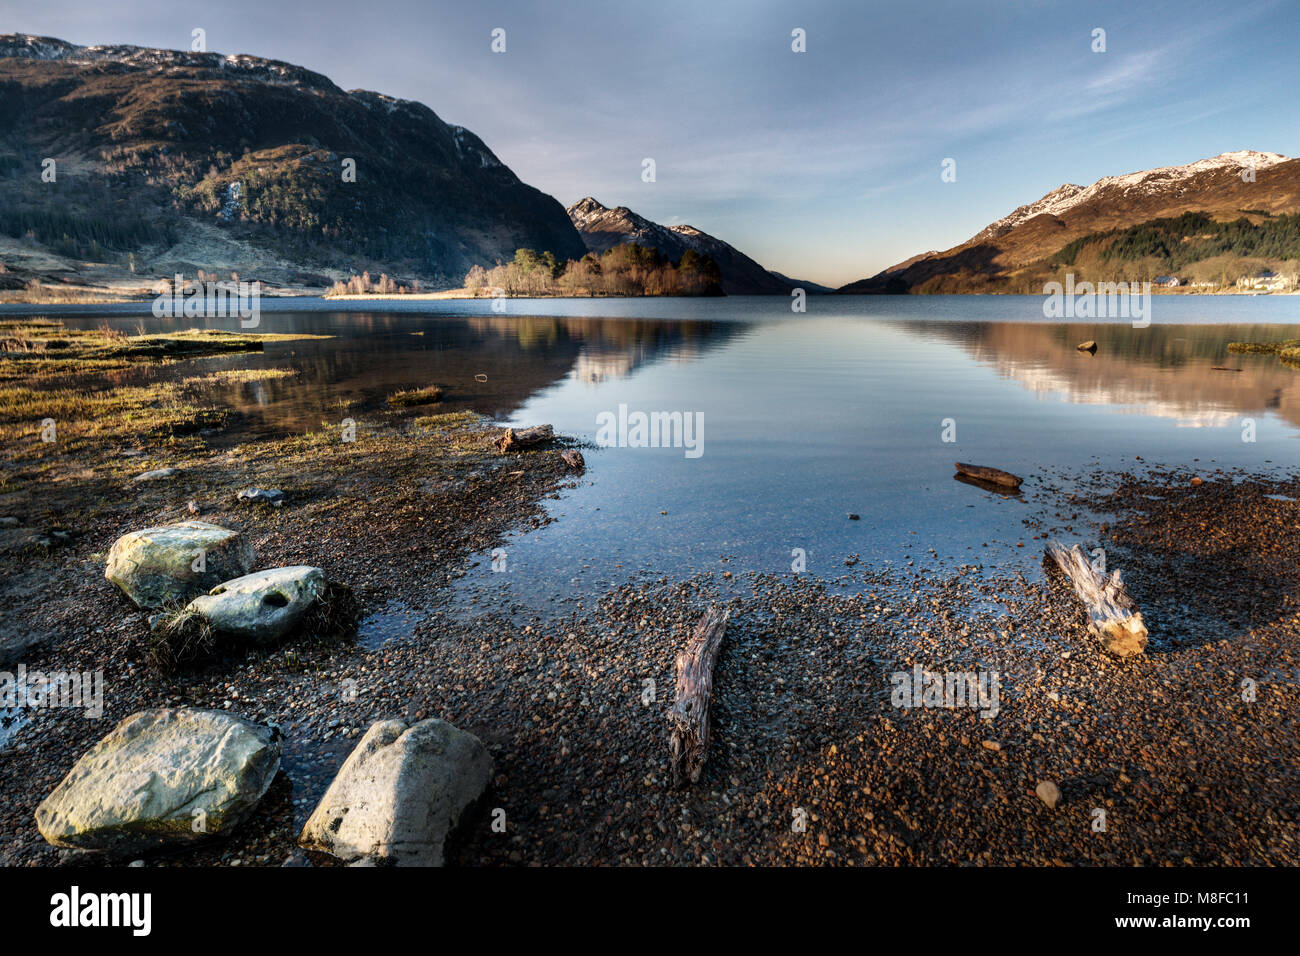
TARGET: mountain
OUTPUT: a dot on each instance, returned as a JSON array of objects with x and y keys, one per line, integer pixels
[
  {"x": 602, "y": 228},
  {"x": 1107, "y": 227},
  {"x": 172, "y": 160}
]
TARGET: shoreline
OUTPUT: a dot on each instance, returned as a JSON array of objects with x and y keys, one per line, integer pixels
[
  {"x": 1186, "y": 770},
  {"x": 95, "y": 295},
  {"x": 802, "y": 720}
]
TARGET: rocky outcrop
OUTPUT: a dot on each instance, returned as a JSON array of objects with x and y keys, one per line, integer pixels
[
  {"x": 399, "y": 794},
  {"x": 173, "y": 563},
  {"x": 602, "y": 228},
  {"x": 162, "y": 778}
]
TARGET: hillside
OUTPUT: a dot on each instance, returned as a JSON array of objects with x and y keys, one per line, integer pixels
[
  {"x": 603, "y": 228},
  {"x": 176, "y": 161},
  {"x": 1024, "y": 249}
]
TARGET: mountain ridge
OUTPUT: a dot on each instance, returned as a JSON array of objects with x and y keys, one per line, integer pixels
[
  {"x": 1016, "y": 250},
  {"x": 602, "y": 227},
  {"x": 178, "y": 144}
]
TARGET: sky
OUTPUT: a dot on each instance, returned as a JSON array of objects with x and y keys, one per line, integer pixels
[{"x": 825, "y": 165}]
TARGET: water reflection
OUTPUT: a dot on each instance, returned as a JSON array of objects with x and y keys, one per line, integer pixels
[
  {"x": 808, "y": 418},
  {"x": 1180, "y": 372},
  {"x": 491, "y": 365}
]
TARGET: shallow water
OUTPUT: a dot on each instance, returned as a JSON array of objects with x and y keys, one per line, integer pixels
[{"x": 806, "y": 418}]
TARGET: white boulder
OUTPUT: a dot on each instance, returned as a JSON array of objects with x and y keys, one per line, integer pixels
[
  {"x": 399, "y": 794},
  {"x": 262, "y": 606},
  {"x": 175, "y": 562},
  {"x": 162, "y": 778}
]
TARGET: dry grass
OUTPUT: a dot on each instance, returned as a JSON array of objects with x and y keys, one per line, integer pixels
[
  {"x": 1266, "y": 348},
  {"x": 52, "y": 373},
  {"x": 37, "y": 293},
  {"x": 416, "y": 396}
]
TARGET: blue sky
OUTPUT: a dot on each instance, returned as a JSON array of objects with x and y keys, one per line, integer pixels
[{"x": 823, "y": 165}]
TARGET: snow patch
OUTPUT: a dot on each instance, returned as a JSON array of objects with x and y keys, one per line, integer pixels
[{"x": 1149, "y": 181}]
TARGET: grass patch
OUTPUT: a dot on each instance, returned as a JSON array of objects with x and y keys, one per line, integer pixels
[
  {"x": 37, "y": 293},
  {"x": 180, "y": 639},
  {"x": 336, "y": 613},
  {"x": 32, "y": 350},
  {"x": 236, "y": 376},
  {"x": 416, "y": 396},
  {"x": 1288, "y": 350},
  {"x": 1264, "y": 348},
  {"x": 52, "y": 373},
  {"x": 448, "y": 420}
]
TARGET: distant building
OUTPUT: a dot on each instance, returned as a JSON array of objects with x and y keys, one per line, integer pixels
[
  {"x": 1266, "y": 281},
  {"x": 1168, "y": 281}
]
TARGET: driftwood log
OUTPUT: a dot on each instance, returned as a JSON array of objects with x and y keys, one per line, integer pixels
[
  {"x": 573, "y": 459},
  {"x": 513, "y": 440},
  {"x": 1112, "y": 613},
  {"x": 688, "y": 718},
  {"x": 994, "y": 476}
]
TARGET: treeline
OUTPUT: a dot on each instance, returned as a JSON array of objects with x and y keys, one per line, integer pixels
[
  {"x": 84, "y": 236},
  {"x": 624, "y": 270},
  {"x": 384, "y": 285},
  {"x": 1192, "y": 237}
]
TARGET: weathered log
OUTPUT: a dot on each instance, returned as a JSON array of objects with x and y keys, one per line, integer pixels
[
  {"x": 1112, "y": 613},
  {"x": 688, "y": 717},
  {"x": 525, "y": 437},
  {"x": 573, "y": 459},
  {"x": 1006, "y": 491},
  {"x": 994, "y": 475}
]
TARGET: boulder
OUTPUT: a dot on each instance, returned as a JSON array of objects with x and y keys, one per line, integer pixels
[
  {"x": 162, "y": 778},
  {"x": 399, "y": 794},
  {"x": 262, "y": 606},
  {"x": 158, "y": 474},
  {"x": 159, "y": 566}
]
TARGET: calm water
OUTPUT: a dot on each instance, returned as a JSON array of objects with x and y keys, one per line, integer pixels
[{"x": 807, "y": 418}]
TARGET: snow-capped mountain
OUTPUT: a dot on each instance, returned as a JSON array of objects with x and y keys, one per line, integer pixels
[
  {"x": 1225, "y": 187},
  {"x": 1149, "y": 181}
]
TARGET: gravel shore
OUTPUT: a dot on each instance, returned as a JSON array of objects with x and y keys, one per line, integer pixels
[{"x": 1186, "y": 755}]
